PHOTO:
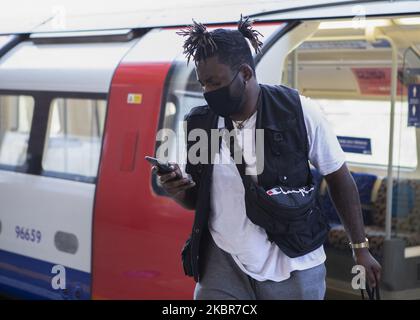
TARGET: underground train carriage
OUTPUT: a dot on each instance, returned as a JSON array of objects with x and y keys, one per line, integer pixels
[{"x": 72, "y": 146}]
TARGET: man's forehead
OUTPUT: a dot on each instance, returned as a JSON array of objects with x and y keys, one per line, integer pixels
[{"x": 211, "y": 69}]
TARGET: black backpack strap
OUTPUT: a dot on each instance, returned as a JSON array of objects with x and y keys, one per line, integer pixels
[
  {"x": 303, "y": 134},
  {"x": 200, "y": 117}
]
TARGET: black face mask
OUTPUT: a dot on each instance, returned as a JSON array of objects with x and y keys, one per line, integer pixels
[{"x": 222, "y": 102}]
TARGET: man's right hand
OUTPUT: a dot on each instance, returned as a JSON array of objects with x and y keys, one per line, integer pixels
[{"x": 173, "y": 183}]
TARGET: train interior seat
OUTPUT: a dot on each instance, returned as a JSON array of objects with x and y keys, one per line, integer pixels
[
  {"x": 365, "y": 183},
  {"x": 372, "y": 191}
]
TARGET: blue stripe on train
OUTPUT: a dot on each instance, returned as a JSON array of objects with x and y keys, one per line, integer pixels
[{"x": 28, "y": 278}]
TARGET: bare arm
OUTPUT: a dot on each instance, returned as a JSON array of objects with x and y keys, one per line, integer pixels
[
  {"x": 186, "y": 198},
  {"x": 344, "y": 194}
]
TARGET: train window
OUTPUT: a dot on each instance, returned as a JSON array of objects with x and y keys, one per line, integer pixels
[
  {"x": 184, "y": 93},
  {"x": 354, "y": 118},
  {"x": 15, "y": 123},
  {"x": 354, "y": 93},
  {"x": 74, "y": 137}
]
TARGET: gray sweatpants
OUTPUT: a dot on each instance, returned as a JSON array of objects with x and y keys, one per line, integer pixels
[{"x": 223, "y": 280}]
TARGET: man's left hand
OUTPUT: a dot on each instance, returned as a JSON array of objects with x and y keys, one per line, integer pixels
[{"x": 373, "y": 268}]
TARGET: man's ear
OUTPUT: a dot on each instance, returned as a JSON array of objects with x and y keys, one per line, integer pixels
[{"x": 247, "y": 72}]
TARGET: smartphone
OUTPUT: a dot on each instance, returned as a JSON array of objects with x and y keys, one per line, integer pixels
[
  {"x": 162, "y": 166},
  {"x": 166, "y": 168}
]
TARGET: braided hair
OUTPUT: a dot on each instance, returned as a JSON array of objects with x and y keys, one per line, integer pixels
[{"x": 230, "y": 46}]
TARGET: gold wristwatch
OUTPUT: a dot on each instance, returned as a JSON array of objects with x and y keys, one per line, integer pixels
[{"x": 361, "y": 245}]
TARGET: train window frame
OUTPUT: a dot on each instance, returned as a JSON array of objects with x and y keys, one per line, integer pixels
[
  {"x": 168, "y": 98},
  {"x": 73, "y": 176},
  {"x": 4, "y": 39},
  {"x": 36, "y": 143},
  {"x": 399, "y": 116},
  {"x": 20, "y": 167}
]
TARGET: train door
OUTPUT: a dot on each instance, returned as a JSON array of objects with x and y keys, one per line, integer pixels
[{"x": 403, "y": 216}]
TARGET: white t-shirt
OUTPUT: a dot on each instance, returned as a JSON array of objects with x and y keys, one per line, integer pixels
[{"x": 229, "y": 225}]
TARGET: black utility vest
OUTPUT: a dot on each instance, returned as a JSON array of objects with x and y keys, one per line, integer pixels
[{"x": 285, "y": 160}]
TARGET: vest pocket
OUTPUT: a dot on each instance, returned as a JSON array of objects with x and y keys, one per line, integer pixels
[{"x": 294, "y": 175}]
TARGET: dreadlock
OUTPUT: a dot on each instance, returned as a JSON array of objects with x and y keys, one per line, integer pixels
[{"x": 230, "y": 46}]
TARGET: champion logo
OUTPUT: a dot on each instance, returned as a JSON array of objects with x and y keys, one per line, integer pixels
[{"x": 279, "y": 190}]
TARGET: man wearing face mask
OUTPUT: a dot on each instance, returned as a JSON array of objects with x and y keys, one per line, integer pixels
[{"x": 229, "y": 256}]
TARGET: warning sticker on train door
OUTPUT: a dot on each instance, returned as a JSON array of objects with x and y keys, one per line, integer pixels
[
  {"x": 414, "y": 105},
  {"x": 355, "y": 145},
  {"x": 134, "y": 98}
]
